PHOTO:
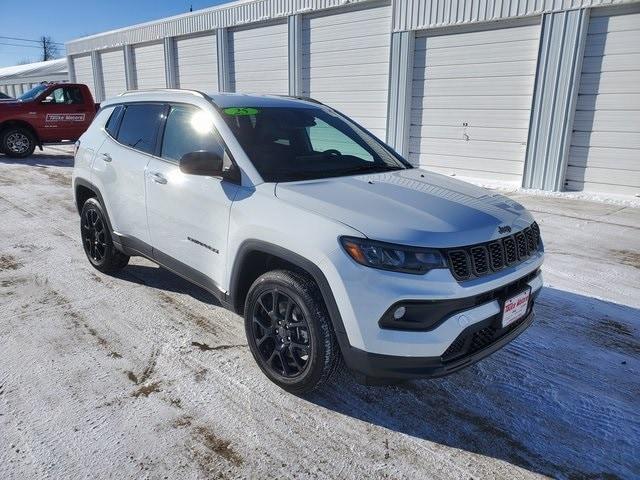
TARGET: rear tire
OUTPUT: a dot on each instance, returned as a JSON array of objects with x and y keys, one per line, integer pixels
[
  {"x": 289, "y": 331},
  {"x": 97, "y": 241},
  {"x": 17, "y": 143}
]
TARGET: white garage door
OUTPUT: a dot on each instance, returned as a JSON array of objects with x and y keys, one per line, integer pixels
[
  {"x": 197, "y": 63},
  {"x": 259, "y": 60},
  {"x": 345, "y": 63},
  {"x": 84, "y": 72},
  {"x": 471, "y": 101},
  {"x": 113, "y": 76},
  {"x": 605, "y": 145},
  {"x": 148, "y": 64}
]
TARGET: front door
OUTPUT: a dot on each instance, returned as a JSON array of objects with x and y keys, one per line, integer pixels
[
  {"x": 188, "y": 215},
  {"x": 62, "y": 114}
]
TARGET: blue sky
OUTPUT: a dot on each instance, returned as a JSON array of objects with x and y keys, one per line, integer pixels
[{"x": 65, "y": 20}]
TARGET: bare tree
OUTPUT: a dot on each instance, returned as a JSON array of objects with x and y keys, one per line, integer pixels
[{"x": 49, "y": 48}]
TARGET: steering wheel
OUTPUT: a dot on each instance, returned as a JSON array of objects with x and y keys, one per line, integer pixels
[{"x": 333, "y": 151}]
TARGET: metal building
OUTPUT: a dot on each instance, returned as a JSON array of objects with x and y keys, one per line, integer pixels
[
  {"x": 540, "y": 93},
  {"x": 16, "y": 80}
]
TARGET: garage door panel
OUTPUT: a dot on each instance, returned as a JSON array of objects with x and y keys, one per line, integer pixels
[
  {"x": 369, "y": 83},
  {"x": 614, "y": 24},
  {"x": 590, "y": 187},
  {"x": 611, "y": 63},
  {"x": 513, "y": 51},
  {"x": 610, "y": 82},
  {"x": 530, "y": 32},
  {"x": 609, "y": 102},
  {"x": 607, "y": 121},
  {"x": 608, "y": 175},
  {"x": 470, "y": 167},
  {"x": 613, "y": 43},
  {"x": 345, "y": 63},
  {"x": 474, "y": 149},
  {"x": 606, "y": 139},
  {"x": 513, "y": 135},
  {"x": 366, "y": 15},
  {"x": 488, "y": 86},
  {"x": 479, "y": 102},
  {"x": 322, "y": 34},
  {"x": 361, "y": 42},
  {"x": 259, "y": 59},
  {"x": 493, "y": 69},
  {"x": 625, "y": 158},
  {"x": 473, "y": 118}
]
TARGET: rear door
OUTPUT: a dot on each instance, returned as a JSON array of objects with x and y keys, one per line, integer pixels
[
  {"x": 120, "y": 166},
  {"x": 188, "y": 215},
  {"x": 62, "y": 114}
]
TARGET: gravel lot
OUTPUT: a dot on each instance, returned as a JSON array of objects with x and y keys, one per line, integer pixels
[{"x": 144, "y": 376}]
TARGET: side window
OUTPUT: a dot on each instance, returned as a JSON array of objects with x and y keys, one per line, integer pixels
[
  {"x": 186, "y": 131},
  {"x": 114, "y": 121},
  {"x": 73, "y": 95},
  {"x": 139, "y": 126},
  {"x": 323, "y": 137},
  {"x": 64, "y": 96}
]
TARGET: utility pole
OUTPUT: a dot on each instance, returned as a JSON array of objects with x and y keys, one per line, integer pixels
[{"x": 49, "y": 48}]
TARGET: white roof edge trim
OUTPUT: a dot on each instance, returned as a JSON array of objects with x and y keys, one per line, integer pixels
[{"x": 240, "y": 12}]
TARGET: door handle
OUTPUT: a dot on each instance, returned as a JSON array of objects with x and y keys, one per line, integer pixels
[
  {"x": 158, "y": 178},
  {"x": 106, "y": 157}
]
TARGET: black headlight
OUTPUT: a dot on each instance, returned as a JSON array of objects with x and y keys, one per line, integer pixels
[{"x": 388, "y": 256}]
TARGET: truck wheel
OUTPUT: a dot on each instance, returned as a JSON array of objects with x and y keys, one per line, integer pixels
[
  {"x": 17, "y": 143},
  {"x": 96, "y": 239},
  {"x": 289, "y": 331}
]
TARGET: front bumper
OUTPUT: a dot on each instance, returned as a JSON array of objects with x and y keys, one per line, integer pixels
[{"x": 372, "y": 368}]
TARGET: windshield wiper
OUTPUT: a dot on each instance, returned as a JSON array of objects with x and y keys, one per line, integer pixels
[{"x": 369, "y": 169}]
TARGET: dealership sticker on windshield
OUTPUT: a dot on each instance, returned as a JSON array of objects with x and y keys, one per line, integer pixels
[{"x": 241, "y": 111}]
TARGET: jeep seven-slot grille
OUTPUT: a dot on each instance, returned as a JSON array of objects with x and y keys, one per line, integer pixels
[{"x": 477, "y": 260}]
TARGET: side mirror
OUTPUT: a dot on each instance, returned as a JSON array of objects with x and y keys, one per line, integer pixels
[{"x": 208, "y": 164}]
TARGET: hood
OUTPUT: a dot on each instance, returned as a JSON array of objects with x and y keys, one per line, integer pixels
[{"x": 411, "y": 207}]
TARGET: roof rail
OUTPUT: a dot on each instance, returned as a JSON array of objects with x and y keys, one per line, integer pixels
[
  {"x": 301, "y": 97},
  {"x": 153, "y": 90}
]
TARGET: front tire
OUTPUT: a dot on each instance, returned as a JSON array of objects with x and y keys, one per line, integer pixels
[
  {"x": 17, "y": 143},
  {"x": 289, "y": 331},
  {"x": 97, "y": 241}
]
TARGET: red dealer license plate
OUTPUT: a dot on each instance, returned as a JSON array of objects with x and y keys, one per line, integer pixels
[{"x": 515, "y": 308}]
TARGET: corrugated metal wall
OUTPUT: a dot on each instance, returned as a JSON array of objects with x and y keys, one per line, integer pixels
[
  {"x": 197, "y": 63},
  {"x": 345, "y": 63},
  {"x": 605, "y": 145},
  {"x": 259, "y": 59},
  {"x": 471, "y": 101}
]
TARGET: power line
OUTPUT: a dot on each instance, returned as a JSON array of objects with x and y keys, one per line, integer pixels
[
  {"x": 18, "y": 45},
  {"x": 28, "y": 40}
]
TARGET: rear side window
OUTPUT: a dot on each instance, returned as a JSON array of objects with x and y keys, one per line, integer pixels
[
  {"x": 139, "y": 126},
  {"x": 187, "y": 131},
  {"x": 114, "y": 121}
]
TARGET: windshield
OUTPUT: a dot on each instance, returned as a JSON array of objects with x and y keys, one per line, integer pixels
[
  {"x": 33, "y": 93},
  {"x": 287, "y": 144}
]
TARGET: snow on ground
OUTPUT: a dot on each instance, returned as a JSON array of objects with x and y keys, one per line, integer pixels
[{"x": 143, "y": 375}]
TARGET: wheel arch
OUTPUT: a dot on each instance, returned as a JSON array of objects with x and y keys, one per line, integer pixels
[
  {"x": 21, "y": 124},
  {"x": 84, "y": 190},
  {"x": 255, "y": 257}
]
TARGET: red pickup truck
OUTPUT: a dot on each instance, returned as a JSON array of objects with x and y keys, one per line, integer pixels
[{"x": 48, "y": 113}]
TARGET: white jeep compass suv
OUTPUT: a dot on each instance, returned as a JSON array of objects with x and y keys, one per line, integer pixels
[{"x": 332, "y": 246}]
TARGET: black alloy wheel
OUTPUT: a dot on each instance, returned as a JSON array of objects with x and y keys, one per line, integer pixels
[
  {"x": 94, "y": 235},
  {"x": 96, "y": 239},
  {"x": 281, "y": 334},
  {"x": 289, "y": 331}
]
